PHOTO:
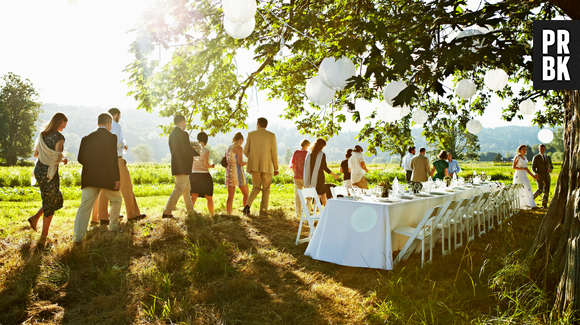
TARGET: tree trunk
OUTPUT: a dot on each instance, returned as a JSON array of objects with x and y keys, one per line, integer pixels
[{"x": 556, "y": 250}]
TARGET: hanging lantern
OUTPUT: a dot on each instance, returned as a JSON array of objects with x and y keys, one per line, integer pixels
[
  {"x": 527, "y": 107},
  {"x": 387, "y": 113},
  {"x": 545, "y": 136},
  {"x": 334, "y": 73},
  {"x": 496, "y": 79},
  {"x": 318, "y": 93},
  {"x": 405, "y": 110},
  {"x": 239, "y": 11},
  {"x": 420, "y": 116},
  {"x": 471, "y": 33},
  {"x": 392, "y": 90},
  {"x": 239, "y": 31},
  {"x": 473, "y": 126},
  {"x": 465, "y": 89}
]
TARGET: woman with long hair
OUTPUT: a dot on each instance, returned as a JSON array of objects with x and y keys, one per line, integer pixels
[
  {"x": 314, "y": 168},
  {"x": 344, "y": 169},
  {"x": 520, "y": 166},
  {"x": 440, "y": 166},
  {"x": 200, "y": 178},
  {"x": 48, "y": 149},
  {"x": 235, "y": 175}
]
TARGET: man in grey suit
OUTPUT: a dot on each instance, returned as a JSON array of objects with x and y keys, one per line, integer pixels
[
  {"x": 542, "y": 165},
  {"x": 420, "y": 166}
]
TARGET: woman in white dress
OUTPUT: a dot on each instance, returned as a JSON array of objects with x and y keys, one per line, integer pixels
[{"x": 520, "y": 177}]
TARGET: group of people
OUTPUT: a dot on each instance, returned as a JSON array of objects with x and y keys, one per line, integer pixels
[
  {"x": 542, "y": 167},
  {"x": 418, "y": 169}
]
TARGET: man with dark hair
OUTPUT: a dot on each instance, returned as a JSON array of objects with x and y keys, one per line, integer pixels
[
  {"x": 406, "y": 163},
  {"x": 420, "y": 166},
  {"x": 131, "y": 206},
  {"x": 182, "y": 154},
  {"x": 98, "y": 155},
  {"x": 262, "y": 153},
  {"x": 542, "y": 165}
]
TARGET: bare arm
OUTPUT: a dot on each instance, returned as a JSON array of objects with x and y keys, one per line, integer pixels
[
  {"x": 206, "y": 161},
  {"x": 363, "y": 166},
  {"x": 239, "y": 152},
  {"x": 433, "y": 171},
  {"x": 342, "y": 171},
  {"x": 445, "y": 171},
  {"x": 59, "y": 147}
]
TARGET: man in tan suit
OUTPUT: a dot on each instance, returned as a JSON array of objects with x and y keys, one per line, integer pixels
[
  {"x": 420, "y": 166},
  {"x": 262, "y": 156}
]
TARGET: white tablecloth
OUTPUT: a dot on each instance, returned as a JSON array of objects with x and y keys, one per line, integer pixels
[{"x": 359, "y": 233}]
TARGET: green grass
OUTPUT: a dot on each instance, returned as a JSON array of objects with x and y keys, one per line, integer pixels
[{"x": 228, "y": 269}]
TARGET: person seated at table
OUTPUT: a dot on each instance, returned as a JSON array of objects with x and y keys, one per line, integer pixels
[
  {"x": 453, "y": 168},
  {"x": 440, "y": 166},
  {"x": 314, "y": 168},
  {"x": 344, "y": 168},
  {"x": 357, "y": 166}
]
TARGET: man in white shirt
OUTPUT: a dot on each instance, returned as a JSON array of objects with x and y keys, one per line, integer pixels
[
  {"x": 406, "y": 163},
  {"x": 131, "y": 206}
]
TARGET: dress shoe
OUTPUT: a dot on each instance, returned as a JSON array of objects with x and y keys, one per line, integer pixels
[
  {"x": 246, "y": 210},
  {"x": 167, "y": 216},
  {"x": 120, "y": 216},
  {"x": 139, "y": 217},
  {"x": 104, "y": 222}
]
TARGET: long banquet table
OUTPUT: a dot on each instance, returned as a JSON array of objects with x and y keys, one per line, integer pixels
[{"x": 359, "y": 233}]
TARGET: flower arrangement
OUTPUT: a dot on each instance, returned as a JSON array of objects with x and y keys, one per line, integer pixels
[
  {"x": 469, "y": 179},
  {"x": 385, "y": 188},
  {"x": 447, "y": 180},
  {"x": 416, "y": 187}
]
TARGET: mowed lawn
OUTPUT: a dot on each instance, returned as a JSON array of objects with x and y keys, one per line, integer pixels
[{"x": 233, "y": 269}]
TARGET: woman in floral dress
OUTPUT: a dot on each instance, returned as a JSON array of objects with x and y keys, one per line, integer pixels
[
  {"x": 48, "y": 150},
  {"x": 235, "y": 175}
]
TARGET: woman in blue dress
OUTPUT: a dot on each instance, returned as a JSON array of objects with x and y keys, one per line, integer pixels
[{"x": 48, "y": 150}]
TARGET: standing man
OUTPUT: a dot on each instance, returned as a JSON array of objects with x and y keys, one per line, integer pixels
[
  {"x": 453, "y": 168},
  {"x": 406, "y": 163},
  {"x": 262, "y": 154},
  {"x": 420, "y": 166},
  {"x": 131, "y": 206},
  {"x": 182, "y": 154},
  {"x": 98, "y": 155},
  {"x": 542, "y": 165}
]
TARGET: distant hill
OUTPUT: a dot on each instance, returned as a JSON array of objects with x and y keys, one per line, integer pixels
[{"x": 140, "y": 127}]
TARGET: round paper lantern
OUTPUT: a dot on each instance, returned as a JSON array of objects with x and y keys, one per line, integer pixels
[
  {"x": 473, "y": 126},
  {"x": 392, "y": 90},
  {"x": 239, "y": 31},
  {"x": 239, "y": 11},
  {"x": 387, "y": 113},
  {"x": 334, "y": 73},
  {"x": 471, "y": 33},
  {"x": 527, "y": 107},
  {"x": 318, "y": 93},
  {"x": 465, "y": 89},
  {"x": 405, "y": 110},
  {"x": 420, "y": 116},
  {"x": 496, "y": 79},
  {"x": 545, "y": 136}
]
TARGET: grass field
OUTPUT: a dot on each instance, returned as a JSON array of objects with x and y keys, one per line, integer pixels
[{"x": 233, "y": 269}]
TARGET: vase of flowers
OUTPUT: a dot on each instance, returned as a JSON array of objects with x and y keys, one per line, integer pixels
[
  {"x": 447, "y": 180},
  {"x": 384, "y": 187},
  {"x": 416, "y": 187}
]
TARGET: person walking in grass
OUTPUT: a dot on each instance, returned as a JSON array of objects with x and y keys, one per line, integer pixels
[
  {"x": 440, "y": 166},
  {"x": 406, "y": 163},
  {"x": 297, "y": 166},
  {"x": 542, "y": 166},
  {"x": 420, "y": 166},
  {"x": 200, "y": 179},
  {"x": 48, "y": 149},
  {"x": 357, "y": 166},
  {"x": 315, "y": 167},
  {"x": 235, "y": 176},
  {"x": 453, "y": 168},
  {"x": 182, "y": 154},
  {"x": 344, "y": 169}
]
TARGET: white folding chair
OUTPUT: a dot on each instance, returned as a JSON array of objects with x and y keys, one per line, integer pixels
[
  {"x": 308, "y": 193},
  {"x": 338, "y": 190},
  {"x": 480, "y": 213},
  {"x": 469, "y": 218},
  {"x": 443, "y": 224},
  {"x": 461, "y": 215},
  {"x": 420, "y": 233}
]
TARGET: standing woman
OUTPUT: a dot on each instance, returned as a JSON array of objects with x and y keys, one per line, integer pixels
[
  {"x": 440, "y": 166},
  {"x": 235, "y": 175},
  {"x": 520, "y": 177},
  {"x": 297, "y": 166},
  {"x": 357, "y": 166},
  {"x": 314, "y": 168},
  {"x": 344, "y": 168},
  {"x": 200, "y": 178},
  {"x": 48, "y": 149}
]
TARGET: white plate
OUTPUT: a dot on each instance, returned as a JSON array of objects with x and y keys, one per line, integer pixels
[
  {"x": 437, "y": 193},
  {"x": 406, "y": 197},
  {"x": 424, "y": 195}
]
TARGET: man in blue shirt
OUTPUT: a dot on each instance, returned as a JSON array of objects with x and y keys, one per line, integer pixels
[{"x": 453, "y": 166}]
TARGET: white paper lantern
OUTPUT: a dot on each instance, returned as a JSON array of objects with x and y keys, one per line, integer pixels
[
  {"x": 392, "y": 90},
  {"x": 527, "y": 107},
  {"x": 239, "y": 31},
  {"x": 420, "y": 116},
  {"x": 334, "y": 73},
  {"x": 471, "y": 33},
  {"x": 387, "y": 113},
  {"x": 318, "y": 93},
  {"x": 465, "y": 89},
  {"x": 545, "y": 136},
  {"x": 473, "y": 126},
  {"x": 239, "y": 11},
  {"x": 405, "y": 110},
  {"x": 496, "y": 79}
]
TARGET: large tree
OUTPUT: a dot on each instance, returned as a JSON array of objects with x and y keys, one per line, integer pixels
[
  {"x": 19, "y": 109},
  {"x": 388, "y": 40}
]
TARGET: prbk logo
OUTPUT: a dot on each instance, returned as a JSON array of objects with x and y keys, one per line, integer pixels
[{"x": 557, "y": 55}]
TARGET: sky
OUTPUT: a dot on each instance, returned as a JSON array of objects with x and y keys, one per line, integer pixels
[{"x": 75, "y": 53}]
